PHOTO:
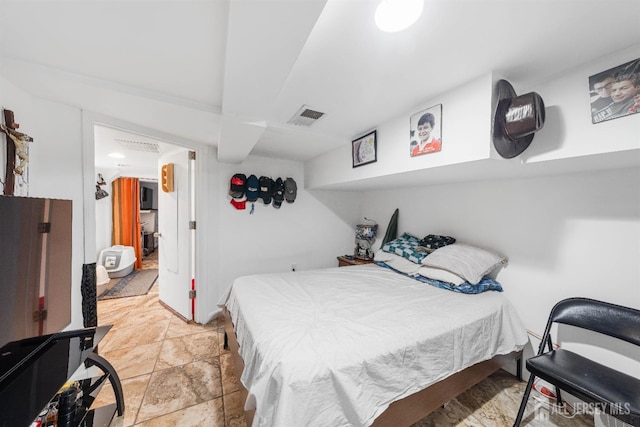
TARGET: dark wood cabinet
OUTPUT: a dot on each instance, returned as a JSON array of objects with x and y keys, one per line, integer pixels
[
  {"x": 344, "y": 261},
  {"x": 148, "y": 243}
]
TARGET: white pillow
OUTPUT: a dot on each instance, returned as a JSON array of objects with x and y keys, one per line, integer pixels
[
  {"x": 469, "y": 262},
  {"x": 381, "y": 255},
  {"x": 397, "y": 262},
  {"x": 440, "y": 274}
]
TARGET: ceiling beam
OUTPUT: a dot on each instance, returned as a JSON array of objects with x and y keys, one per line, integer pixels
[
  {"x": 237, "y": 139},
  {"x": 264, "y": 40}
]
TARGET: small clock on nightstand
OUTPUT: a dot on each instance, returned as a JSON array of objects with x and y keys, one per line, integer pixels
[{"x": 345, "y": 260}]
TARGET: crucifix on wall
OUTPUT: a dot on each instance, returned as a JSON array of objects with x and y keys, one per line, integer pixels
[{"x": 16, "y": 149}]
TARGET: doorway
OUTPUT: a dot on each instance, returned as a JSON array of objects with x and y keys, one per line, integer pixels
[{"x": 121, "y": 153}]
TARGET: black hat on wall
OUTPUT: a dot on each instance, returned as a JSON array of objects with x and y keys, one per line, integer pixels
[
  {"x": 516, "y": 119},
  {"x": 252, "y": 189},
  {"x": 290, "y": 190},
  {"x": 277, "y": 191},
  {"x": 237, "y": 185},
  {"x": 266, "y": 187}
]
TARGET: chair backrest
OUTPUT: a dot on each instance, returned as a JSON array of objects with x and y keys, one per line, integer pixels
[{"x": 598, "y": 316}]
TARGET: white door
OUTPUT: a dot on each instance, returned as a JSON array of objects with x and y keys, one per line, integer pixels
[{"x": 175, "y": 238}]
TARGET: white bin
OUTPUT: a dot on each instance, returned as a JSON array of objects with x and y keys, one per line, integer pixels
[
  {"x": 102, "y": 277},
  {"x": 118, "y": 260}
]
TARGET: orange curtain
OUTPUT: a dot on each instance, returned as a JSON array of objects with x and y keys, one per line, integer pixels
[{"x": 126, "y": 216}]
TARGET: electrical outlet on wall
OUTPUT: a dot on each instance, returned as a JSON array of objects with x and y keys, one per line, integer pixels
[{"x": 293, "y": 267}]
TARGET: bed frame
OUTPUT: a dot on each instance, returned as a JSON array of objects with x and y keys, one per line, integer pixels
[{"x": 411, "y": 409}]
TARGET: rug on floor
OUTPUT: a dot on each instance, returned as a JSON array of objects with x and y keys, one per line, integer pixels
[{"x": 138, "y": 282}]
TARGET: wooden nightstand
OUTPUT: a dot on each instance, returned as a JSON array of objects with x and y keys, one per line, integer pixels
[{"x": 342, "y": 261}]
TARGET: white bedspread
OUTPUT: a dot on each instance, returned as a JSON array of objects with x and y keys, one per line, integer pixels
[{"x": 335, "y": 347}]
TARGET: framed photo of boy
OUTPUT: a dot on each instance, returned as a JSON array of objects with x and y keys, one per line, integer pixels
[
  {"x": 425, "y": 133},
  {"x": 364, "y": 150},
  {"x": 615, "y": 92}
]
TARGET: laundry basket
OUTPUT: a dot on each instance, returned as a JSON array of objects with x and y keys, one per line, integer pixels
[{"x": 118, "y": 260}]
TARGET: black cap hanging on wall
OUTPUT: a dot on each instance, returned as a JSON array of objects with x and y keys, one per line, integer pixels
[{"x": 516, "y": 119}]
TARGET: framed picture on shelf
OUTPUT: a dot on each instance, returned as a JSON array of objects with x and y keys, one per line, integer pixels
[
  {"x": 364, "y": 150},
  {"x": 615, "y": 92},
  {"x": 425, "y": 134}
]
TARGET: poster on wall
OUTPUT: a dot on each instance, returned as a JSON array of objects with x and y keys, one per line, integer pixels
[
  {"x": 615, "y": 92},
  {"x": 425, "y": 131},
  {"x": 364, "y": 150}
]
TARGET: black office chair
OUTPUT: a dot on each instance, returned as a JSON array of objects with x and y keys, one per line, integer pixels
[{"x": 614, "y": 392}]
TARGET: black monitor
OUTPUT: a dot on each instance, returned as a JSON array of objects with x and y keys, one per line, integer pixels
[{"x": 146, "y": 198}]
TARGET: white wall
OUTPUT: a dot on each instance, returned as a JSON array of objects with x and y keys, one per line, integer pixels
[
  {"x": 466, "y": 127},
  {"x": 310, "y": 232},
  {"x": 548, "y": 226},
  {"x": 55, "y": 169},
  {"x": 571, "y": 235},
  {"x": 466, "y": 133},
  {"x": 568, "y": 131}
]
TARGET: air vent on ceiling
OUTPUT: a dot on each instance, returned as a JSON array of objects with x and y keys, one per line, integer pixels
[
  {"x": 305, "y": 116},
  {"x": 149, "y": 147}
]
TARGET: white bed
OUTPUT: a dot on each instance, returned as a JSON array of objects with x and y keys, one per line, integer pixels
[{"x": 335, "y": 347}]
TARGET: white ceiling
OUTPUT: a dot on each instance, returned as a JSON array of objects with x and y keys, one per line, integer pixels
[
  {"x": 232, "y": 73},
  {"x": 122, "y": 153}
]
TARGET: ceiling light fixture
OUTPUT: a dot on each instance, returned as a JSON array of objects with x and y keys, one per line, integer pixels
[
  {"x": 397, "y": 15},
  {"x": 116, "y": 155}
]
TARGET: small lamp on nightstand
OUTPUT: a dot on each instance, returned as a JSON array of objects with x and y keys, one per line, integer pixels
[{"x": 365, "y": 236}]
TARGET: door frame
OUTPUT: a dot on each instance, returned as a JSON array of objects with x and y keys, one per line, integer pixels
[{"x": 204, "y": 271}]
